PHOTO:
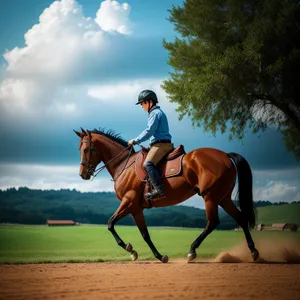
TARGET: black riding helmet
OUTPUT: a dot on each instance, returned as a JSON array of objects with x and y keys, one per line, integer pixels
[{"x": 147, "y": 95}]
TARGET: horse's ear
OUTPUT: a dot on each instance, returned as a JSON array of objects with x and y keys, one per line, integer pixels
[
  {"x": 89, "y": 134},
  {"x": 78, "y": 133},
  {"x": 83, "y": 131}
]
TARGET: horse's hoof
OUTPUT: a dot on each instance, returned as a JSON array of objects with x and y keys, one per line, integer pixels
[
  {"x": 191, "y": 256},
  {"x": 134, "y": 255},
  {"x": 165, "y": 259},
  {"x": 129, "y": 248},
  {"x": 255, "y": 255}
]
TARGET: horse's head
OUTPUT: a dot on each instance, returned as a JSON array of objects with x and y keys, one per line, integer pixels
[{"x": 88, "y": 155}]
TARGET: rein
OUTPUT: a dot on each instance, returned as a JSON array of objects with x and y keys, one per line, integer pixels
[
  {"x": 104, "y": 166},
  {"x": 127, "y": 161},
  {"x": 130, "y": 151}
]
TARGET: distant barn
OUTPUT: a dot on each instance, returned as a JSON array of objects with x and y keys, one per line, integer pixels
[
  {"x": 285, "y": 226},
  {"x": 278, "y": 227},
  {"x": 61, "y": 223}
]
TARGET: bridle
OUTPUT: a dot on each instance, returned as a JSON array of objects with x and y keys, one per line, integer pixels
[{"x": 91, "y": 169}]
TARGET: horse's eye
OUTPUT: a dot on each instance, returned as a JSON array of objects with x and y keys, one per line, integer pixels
[{"x": 86, "y": 150}]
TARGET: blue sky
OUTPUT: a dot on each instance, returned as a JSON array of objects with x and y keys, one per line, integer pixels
[{"x": 70, "y": 64}]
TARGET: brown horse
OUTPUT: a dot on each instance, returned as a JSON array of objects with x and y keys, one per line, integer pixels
[{"x": 209, "y": 172}]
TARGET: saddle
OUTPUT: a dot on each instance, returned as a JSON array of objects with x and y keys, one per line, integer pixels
[{"x": 169, "y": 166}]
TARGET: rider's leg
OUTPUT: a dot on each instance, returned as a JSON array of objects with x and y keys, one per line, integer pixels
[
  {"x": 155, "y": 178},
  {"x": 156, "y": 153}
]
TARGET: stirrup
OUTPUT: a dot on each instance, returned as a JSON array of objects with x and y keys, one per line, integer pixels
[{"x": 154, "y": 195}]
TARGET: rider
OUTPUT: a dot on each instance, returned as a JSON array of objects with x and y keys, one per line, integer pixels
[{"x": 160, "y": 140}]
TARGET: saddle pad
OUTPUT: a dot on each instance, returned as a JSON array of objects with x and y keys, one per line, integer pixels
[{"x": 169, "y": 168}]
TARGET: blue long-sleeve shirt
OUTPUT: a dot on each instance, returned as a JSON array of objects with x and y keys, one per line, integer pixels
[{"x": 157, "y": 129}]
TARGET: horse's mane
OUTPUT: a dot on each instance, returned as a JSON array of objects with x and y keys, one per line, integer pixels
[{"x": 112, "y": 135}]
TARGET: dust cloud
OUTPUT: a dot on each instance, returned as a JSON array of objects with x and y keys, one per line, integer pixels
[{"x": 271, "y": 250}]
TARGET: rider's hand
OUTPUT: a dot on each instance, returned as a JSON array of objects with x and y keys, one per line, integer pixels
[{"x": 131, "y": 142}]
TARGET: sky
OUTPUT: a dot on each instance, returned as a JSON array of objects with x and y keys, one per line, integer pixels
[{"x": 69, "y": 64}]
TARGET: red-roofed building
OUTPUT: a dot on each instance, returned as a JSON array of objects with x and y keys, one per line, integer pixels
[{"x": 61, "y": 223}]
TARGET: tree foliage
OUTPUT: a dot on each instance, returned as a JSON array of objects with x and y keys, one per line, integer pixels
[{"x": 236, "y": 65}]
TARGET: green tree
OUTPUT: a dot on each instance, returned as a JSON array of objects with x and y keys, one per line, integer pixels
[{"x": 236, "y": 65}]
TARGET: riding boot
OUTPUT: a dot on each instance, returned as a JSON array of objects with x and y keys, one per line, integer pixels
[{"x": 155, "y": 180}]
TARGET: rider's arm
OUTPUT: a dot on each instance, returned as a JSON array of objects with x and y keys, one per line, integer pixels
[{"x": 153, "y": 122}]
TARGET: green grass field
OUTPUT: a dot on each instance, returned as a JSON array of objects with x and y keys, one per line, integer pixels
[
  {"x": 41, "y": 244},
  {"x": 287, "y": 213}
]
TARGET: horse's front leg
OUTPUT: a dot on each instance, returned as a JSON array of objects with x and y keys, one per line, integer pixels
[
  {"x": 141, "y": 224},
  {"x": 122, "y": 211}
]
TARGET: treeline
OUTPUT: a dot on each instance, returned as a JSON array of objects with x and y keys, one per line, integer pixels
[
  {"x": 268, "y": 203},
  {"x": 27, "y": 206}
]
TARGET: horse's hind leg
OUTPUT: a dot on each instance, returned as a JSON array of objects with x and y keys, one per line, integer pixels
[
  {"x": 232, "y": 210},
  {"x": 212, "y": 222}
]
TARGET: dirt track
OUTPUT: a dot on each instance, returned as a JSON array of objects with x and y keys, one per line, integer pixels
[{"x": 151, "y": 280}]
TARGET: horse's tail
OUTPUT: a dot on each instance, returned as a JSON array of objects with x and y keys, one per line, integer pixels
[{"x": 244, "y": 195}]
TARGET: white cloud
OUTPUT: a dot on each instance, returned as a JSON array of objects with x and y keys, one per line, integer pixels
[
  {"x": 66, "y": 108},
  {"x": 56, "y": 45},
  {"x": 50, "y": 177},
  {"x": 118, "y": 91},
  {"x": 113, "y": 16},
  {"x": 59, "y": 49},
  {"x": 277, "y": 191},
  {"x": 276, "y": 185},
  {"x": 18, "y": 93}
]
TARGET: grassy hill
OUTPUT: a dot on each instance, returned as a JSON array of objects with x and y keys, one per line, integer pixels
[{"x": 286, "y": 213}]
